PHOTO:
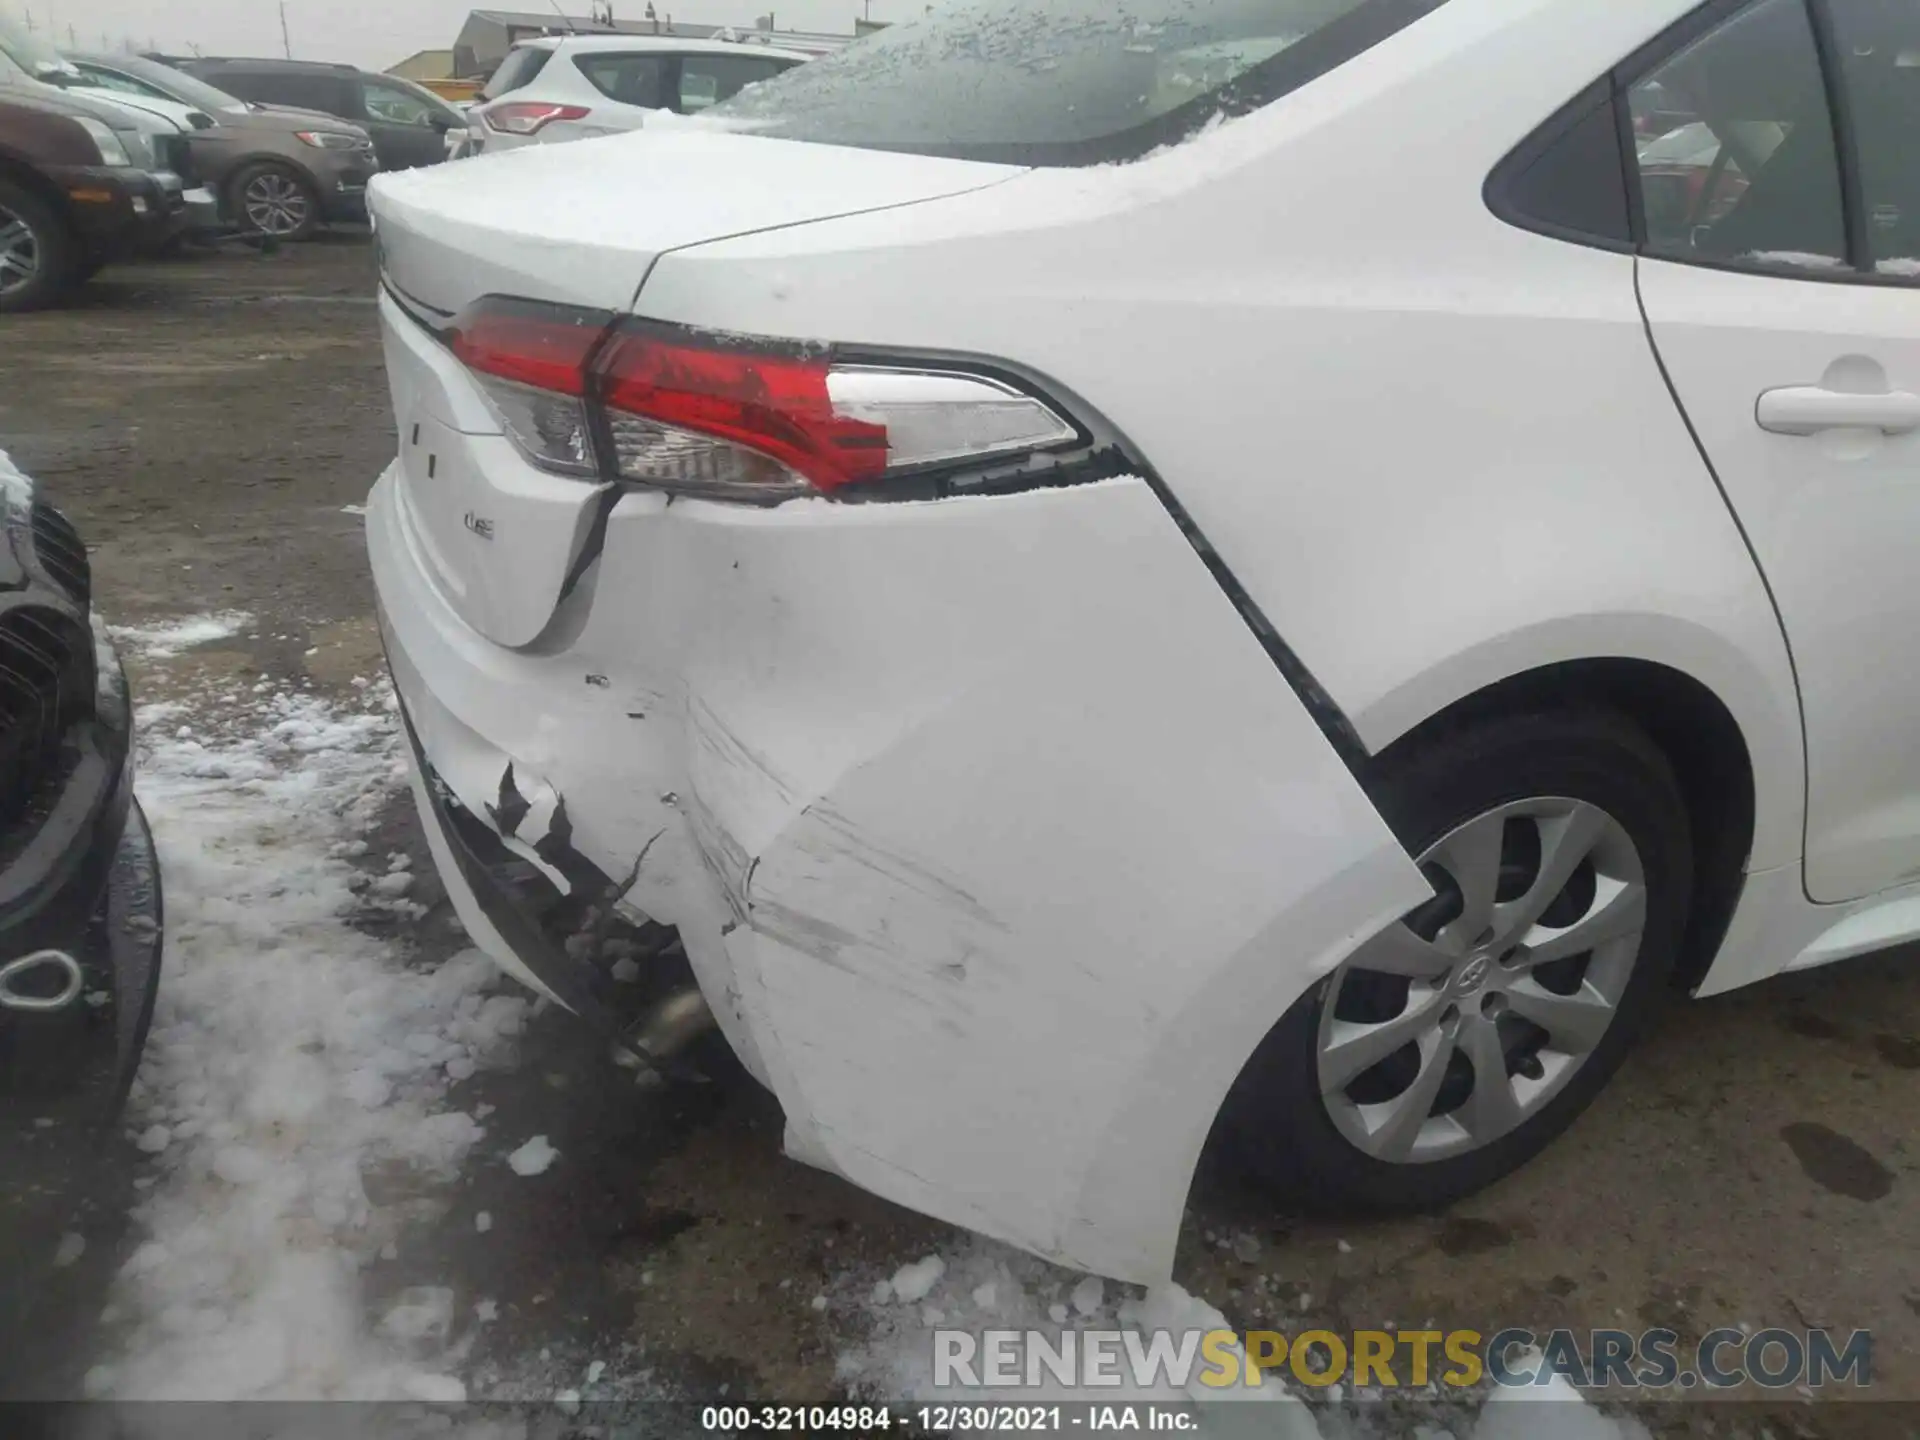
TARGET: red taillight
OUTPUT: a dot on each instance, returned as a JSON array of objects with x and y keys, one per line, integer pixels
[
  {"x": 732, "y": 418},
  {"x": 527, "y": 117},
  {"x": 538, "y": 345},
  {"x": 776, "y": 405}
]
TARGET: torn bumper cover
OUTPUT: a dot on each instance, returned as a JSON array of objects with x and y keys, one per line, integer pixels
[{"x": 994, "y": 838}]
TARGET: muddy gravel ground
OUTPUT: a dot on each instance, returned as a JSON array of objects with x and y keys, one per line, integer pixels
[{"x": 211, "y": 427}]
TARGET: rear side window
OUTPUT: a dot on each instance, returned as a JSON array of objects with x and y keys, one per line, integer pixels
[
  {"x": 706, "y": 80},
  {"x": 1074, "y": 82},
  {"x": 1736, "y": 153},
  {"x": 516, "y": 71},
  {"x": 638, "y": 79},
  {"x": 1770, "y": 135},
  {"x": 396, "y": 106},
  {"x": 306, "y": 92}
]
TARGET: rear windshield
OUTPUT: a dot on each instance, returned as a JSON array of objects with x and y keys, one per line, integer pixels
[
  {"x": 518, "y": 69},
  {"x": 1063, "y": 82}
]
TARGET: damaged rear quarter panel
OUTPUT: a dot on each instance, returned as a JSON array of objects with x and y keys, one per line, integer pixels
[
  {"x": 1027, "y": 844},
  {"x": 995, "y": 838}
]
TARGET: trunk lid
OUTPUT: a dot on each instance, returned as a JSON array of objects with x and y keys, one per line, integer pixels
[
  {"x": 580, "y": 224},
  {"x": 576, "y": 224}
]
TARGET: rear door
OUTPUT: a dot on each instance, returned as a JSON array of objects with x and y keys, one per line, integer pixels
[{"x": 1779, "y": 288}]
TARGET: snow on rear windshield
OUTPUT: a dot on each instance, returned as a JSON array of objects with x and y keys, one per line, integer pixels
[{"x": 1063, "y": 82}]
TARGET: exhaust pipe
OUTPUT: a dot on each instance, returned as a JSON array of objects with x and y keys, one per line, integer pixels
[{"x": 662, "y": 1035}]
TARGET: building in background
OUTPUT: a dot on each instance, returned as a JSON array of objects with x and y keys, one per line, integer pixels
[
  {"x": 425, "y": 65},
  {"x": 434, "y": 70},
  {"x": 488, "y": 34}
]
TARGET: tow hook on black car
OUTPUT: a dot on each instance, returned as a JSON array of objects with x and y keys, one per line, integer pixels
[{"x": 80, "y": 900}]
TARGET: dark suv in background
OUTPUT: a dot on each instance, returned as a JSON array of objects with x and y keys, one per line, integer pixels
[
  {"x": 71, "y": 200},
  {"x": 409, "y": 124},
  {"x": 278, "y": 170}
]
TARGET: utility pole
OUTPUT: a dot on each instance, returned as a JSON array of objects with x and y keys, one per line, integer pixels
[{"x": 285, "y": 43}]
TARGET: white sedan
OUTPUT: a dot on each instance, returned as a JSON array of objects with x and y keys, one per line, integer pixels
[
  {"x": 1123, "y": 580},
  {"x": 573, "y": 87}
]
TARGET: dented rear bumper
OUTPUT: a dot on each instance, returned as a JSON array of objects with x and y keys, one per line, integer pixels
[{"x": 994, "y": 838}]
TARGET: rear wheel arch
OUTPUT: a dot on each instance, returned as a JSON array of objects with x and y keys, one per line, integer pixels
[
  {"x": 290, "y": 163},
  {"x": 1695, "y": 729},
  {"x": 60, "y": 258},
  {"x": 20, "y": 173}
]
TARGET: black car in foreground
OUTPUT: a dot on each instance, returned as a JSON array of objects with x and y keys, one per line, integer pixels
[{"x": 80, "y": 908}]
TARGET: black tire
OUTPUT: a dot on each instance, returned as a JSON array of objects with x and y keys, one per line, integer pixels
[
  {"x": 268, "y": 174},
  {"x": 56, "y": 250},
  {"x": 1276, "y": 1121}
]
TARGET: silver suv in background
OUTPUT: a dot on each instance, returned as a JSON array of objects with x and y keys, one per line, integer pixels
[
  {"x": 574, "y": 87},
  {"x": 277, "y": 170}
]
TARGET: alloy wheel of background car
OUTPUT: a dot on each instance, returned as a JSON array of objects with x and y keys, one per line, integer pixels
[
  {"x": 37, "y": 253},
  {"x": 19, "y": 252},
  {"x": 273, "y": 202},
  {"x": 1458, "y": 1042}
]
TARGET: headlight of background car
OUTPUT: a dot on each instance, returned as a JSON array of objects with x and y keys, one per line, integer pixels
[
  {"x": 140, "y": 149},
  {"x": 327, "y": 139},
  {"x": 110, "y": 143}
]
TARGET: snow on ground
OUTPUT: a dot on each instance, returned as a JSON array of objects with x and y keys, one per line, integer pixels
[
  {"x": 294, "y": 1090},
  {"x": 985, "y": 1286},
  {"x": 535, "y": 1157},
  {"x": 163, "y": 641},
  {"x": 295, "y": 1101}
]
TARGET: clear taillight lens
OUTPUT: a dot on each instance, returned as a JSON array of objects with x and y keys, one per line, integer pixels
[
  {"x": 940, "y": 418},
  {"x": 551, "y": 430}
]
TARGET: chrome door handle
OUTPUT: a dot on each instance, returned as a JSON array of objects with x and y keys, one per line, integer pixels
[{"x": 1810, "y": 409}]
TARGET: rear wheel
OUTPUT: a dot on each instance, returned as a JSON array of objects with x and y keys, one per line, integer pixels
[
  {"x": 39, "y": 256},
  {"x": 1454, "y": 1046},
  {"x": 270, "y": 199}
]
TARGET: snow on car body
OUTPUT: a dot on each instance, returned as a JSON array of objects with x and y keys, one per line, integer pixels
[{"x": 1005, "y": 804}]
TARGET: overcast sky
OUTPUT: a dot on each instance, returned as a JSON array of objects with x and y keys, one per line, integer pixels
[{"x": 376, "y": 33}]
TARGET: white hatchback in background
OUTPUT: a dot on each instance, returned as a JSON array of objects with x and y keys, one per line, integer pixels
[
  {"x": 1233, "y": 564},
  {"x": 573, "y": 87}
]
